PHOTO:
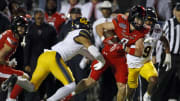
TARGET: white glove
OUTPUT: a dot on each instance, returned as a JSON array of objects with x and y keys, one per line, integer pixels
[
  {"x": 13, "y": 62},
  {"x": 167, "y": 61},
  {"x": 98, "y": 65},
  {"x": 83, "y": 62}
]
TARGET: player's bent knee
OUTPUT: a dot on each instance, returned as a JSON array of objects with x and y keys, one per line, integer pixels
[{"x": 153, "y": 80}]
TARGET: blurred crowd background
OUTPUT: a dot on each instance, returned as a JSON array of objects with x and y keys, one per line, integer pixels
[{"x": 51, "y": 20}]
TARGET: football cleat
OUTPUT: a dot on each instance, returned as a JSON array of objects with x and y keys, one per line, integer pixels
[{"x": 10, "y": 82}]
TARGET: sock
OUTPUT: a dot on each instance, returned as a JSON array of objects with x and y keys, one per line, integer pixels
[
  {"x": 16, "y": 91},
  {"x": 62, "y": 92}
]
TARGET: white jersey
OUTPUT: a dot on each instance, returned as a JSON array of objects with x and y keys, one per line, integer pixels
[
  {"x": 150, "y": 42},
  {"x": 68, "y": 48}
]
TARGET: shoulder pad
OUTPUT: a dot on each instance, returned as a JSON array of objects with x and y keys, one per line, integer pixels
[
  {"x": 12, "y": 42},
  {"x": 5, "y": 33},
  {"x": 85, "y": 33},
  {"x": 124, "y": 17},
  {"x": 121, "y": 16}
]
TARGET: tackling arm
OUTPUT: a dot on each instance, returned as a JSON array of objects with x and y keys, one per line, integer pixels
[
  {"x": 104, "y": 26},
  {"x": 92, "y": 50}
]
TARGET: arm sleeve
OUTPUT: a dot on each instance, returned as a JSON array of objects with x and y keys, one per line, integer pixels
[{"x": 96, "y": 54}]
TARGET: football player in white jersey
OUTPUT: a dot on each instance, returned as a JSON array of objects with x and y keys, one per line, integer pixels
[
  {"x": 144, "y": 65},
  {"x": 53, "y": 61}
]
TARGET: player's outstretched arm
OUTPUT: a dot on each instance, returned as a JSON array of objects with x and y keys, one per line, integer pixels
[
  {"x": 92, "y": 50},
  {"x": 102, "y": 27}
]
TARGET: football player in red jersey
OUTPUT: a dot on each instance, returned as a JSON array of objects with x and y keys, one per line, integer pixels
[
  {"x": 130, "y": 32},
  {"x": 8, "y": 44}
]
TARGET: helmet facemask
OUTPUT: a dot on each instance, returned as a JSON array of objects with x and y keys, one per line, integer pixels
[
  {"x": 137, "y": 14},
  {"x": 151, "y": 17},
  {"x": 138, "y": 23},
  {"x": 18, "y": 24}
]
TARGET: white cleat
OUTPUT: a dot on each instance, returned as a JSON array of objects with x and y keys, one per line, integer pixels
[{"x": 146, "y": 97}]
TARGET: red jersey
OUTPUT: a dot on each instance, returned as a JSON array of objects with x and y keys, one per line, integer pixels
[
  {"x": 8, "y": 38},
  {"x": 112, "y": 52},
  {"x": 112, "y": 48},
  {"x": 56, "y": 20},
  {"x": 122, "y": 30}
]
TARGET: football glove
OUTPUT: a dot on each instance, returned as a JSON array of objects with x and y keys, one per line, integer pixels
[{"x": 167, "y": 61}]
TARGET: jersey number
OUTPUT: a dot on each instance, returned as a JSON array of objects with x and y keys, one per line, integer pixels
[
  {"x": 124, "y": 41},
  {"x": 147, "y": 51}
]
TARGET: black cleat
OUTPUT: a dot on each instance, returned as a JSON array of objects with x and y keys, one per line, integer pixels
[{"x": 10, "y": 82}]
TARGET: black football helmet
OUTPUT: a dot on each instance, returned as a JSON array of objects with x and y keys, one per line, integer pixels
[
  {"x": 139, "y": 12},
  {"x": 151, "y": 15},
  {"x": 81, "y": 23},
  {"x": 18, "y": 21}
]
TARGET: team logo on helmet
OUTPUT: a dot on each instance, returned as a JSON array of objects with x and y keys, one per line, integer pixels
[
  {"x": 84, "y": 21},
  {"x": 81, "y": 23}
]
